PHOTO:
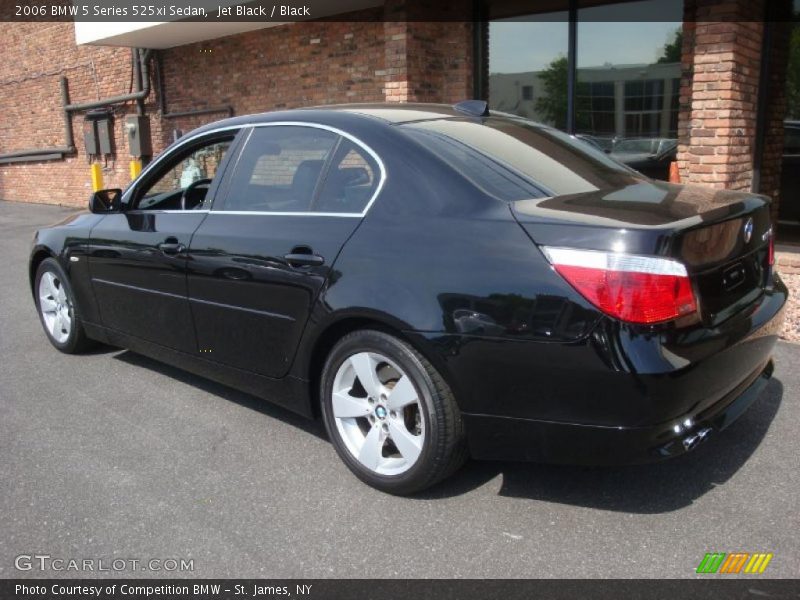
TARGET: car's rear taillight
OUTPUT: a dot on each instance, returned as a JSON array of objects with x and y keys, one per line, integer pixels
[{"x": 633, "y": 288}]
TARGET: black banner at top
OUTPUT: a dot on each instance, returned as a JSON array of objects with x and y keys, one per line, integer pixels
[{"x": 283, "y": 11}]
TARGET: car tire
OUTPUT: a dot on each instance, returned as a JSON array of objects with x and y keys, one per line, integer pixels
[
  {"x": 397, "y": 435},
  {"x": 58, "y": 310}
]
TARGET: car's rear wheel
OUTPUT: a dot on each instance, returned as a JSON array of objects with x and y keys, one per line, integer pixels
[
  {"x": 390, "y": 415},
  {"x": 57, "y": 309}
]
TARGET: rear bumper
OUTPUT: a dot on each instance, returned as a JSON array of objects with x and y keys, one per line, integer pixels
[
  {"x": 504, "y": 438},
  {"x": 620, "y": 395}
]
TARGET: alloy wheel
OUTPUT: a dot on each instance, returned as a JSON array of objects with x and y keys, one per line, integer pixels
[
  {"x": 378, "y": 414},
  {"x": 55, "y": 307}
]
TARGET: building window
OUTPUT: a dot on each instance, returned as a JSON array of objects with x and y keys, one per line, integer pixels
[
  {"x": 596, "y": 104},
  {"x": 527, "y": 92}
]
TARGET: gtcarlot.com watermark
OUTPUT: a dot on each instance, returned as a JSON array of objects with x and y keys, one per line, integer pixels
[{"x": 46, "y": 562}]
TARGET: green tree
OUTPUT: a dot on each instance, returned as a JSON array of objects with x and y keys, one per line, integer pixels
[
  {"x": 552, "y": 104},
  {"x": 674, "y": 49}
]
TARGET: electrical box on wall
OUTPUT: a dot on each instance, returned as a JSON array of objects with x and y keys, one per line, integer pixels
[
  {"x": 98, "y": 132},
  {"x": 105, "y": 136},
  {"x": 90, "y": 138},
  {"x": 137, "y": 130}
]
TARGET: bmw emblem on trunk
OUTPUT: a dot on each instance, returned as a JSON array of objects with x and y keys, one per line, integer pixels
[{"x": 748, "y": 230}]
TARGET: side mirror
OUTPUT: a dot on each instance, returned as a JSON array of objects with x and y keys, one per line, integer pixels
[{"x": 105, "y": 201}]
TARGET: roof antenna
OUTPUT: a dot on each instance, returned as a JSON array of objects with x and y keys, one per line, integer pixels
[{"x": 473, "y": 108}]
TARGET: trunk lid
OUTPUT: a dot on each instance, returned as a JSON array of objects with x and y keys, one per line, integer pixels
[{"x": 722, "y": 237}]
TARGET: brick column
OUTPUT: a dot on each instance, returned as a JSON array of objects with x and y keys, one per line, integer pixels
[
  {"x": 395, "y": 48},
  {"x": 719, "y": 92},
  {"x": 426, "y": 61}
]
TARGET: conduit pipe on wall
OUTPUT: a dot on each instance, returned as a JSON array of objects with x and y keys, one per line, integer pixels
[{"x": 142, "y": 80}]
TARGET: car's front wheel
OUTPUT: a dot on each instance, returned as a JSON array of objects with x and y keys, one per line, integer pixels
[
  {"x": 57, "y": 309},
  {"x": 390, "y": 415}
]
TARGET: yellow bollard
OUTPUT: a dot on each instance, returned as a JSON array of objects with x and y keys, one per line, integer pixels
[
  {"x": 136, "y": 168},
  {"x": 97, "y": 177}
]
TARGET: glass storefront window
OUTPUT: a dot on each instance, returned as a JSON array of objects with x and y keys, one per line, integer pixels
[
  {"x": 793, "y": 69},
  {"x": 628, "y": 84},
  {"x": 789, "y": 206},
  {"x": 627, "y": 90},
  {"x": 528, "y": 67}
]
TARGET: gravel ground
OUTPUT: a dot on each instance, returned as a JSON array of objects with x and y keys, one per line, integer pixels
[{"x": 791, "y": 327}]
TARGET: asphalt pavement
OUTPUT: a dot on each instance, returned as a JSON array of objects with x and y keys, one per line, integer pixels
[{"x": 112, "y": 455}]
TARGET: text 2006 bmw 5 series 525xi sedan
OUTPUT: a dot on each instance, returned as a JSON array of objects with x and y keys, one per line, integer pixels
[{"x": 434, "y": 282}]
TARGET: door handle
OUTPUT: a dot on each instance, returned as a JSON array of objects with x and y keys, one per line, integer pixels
[
  {"x": 301, "y": 259},
  {"x": 172, "y": 248}
]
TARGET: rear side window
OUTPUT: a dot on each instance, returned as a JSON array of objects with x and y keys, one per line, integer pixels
[
  {"x": 350, "y": 181},
  {"x": 491, "y": 177},
  {"x": 279, "y": 169}
]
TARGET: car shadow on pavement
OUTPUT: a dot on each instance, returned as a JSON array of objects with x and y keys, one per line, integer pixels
[
  {"x": 655, "y": 488},
  {"x": 314, "y": 427},
  {"x": 99, "y": 348}
]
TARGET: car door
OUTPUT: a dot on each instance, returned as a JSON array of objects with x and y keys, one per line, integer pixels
[
  {"x": 137, "y": 257},
  {"x": 261, "y": 257}
]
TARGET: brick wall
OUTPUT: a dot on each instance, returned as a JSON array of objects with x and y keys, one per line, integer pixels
[
  {"x": 35, "y": 55},
  {"x": 301, "y": 64},
  {"x": 719, "y": 92},
  {"x": 427, "y": 61}
]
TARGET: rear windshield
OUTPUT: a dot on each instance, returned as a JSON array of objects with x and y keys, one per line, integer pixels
[{"x": 514, "y": 159}]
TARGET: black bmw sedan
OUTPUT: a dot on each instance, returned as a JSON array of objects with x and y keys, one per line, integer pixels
[{"x": 434, "y": 282}]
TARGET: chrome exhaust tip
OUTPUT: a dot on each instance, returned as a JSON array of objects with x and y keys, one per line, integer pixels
[{"x": 690, "y": 442}]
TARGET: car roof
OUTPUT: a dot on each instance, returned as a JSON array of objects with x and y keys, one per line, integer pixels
[
  {"x": 395, "y": 112},
  {"x": 389, "y": 113}
]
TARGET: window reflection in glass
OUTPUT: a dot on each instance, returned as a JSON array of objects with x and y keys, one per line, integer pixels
[
  {"x": 512, "y": 158},
  {"x": 793, "y": 68},
  {"x": 279, "y": 168},
  {"x": 629, "y": 81},
  {"x": 789, "y": 204},
  {"x": 184, "y": 185},
  {"x": 528, "y": 67},
  {"x": 200, "y": 164}
]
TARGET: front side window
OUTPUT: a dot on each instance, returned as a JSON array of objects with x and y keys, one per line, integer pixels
[
  {"x": 184, "y": 182},
  {"x": 280, "y": 168}
]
